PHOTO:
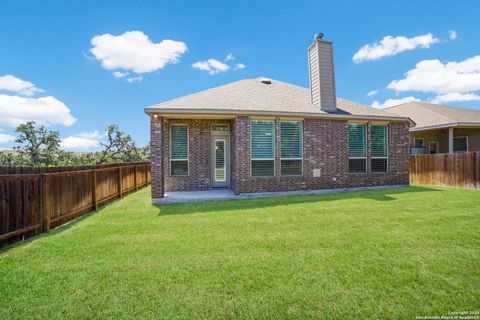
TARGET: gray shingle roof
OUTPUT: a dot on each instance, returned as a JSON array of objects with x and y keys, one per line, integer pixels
[
  {"x": 253, "y": 96},
  {"x": 427, "y": 115}
]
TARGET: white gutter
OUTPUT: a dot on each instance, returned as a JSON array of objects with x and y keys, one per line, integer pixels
[
  {"x": 169, "y": 112},
  {"x": 447, "y": 125}
]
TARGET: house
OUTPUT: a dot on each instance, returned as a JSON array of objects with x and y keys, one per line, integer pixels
[
  {"x": 264, "y": 135},
  {"x": 440, "y": 129}
]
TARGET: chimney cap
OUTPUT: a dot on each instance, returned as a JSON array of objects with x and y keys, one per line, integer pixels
[{"x": 319, "y": 36}]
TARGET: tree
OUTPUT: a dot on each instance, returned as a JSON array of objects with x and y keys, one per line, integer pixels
[
  {"x": 118, "y": 148},
  {"x": 39, "y": 145}
]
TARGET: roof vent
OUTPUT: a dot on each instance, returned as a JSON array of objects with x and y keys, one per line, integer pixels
[{"x": 266, "y": 81}]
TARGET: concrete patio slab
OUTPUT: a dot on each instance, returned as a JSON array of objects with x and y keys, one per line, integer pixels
[{"x": 227, "y": 194}]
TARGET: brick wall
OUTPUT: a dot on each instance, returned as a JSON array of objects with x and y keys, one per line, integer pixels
[
  {"x": 156, "y": 156},
  {"x": 199, "y": 164},
  {"x": 325, "y": 147}
]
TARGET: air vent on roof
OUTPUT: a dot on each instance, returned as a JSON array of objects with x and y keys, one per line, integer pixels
[{"x": 266, "y": 81}]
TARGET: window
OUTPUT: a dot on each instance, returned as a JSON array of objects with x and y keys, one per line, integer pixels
[
  {"x": 418, "y": 143},
  {"x": 262, "y": 146},
  {"x": 179, "y": 149},
  {"x": 220, "y": 127},
  {"x": 291, "y": 148},
  {"x": 357, "y": 161},
  {"x": 379, "y": 141},
  {"x": 460, "y": 144}
]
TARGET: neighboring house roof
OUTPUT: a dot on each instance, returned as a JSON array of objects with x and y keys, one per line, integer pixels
[
  {"x": 431, "y": 116},
  {"x": 252, "y": 96}
]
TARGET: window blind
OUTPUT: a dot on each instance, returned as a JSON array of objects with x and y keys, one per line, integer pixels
[
  {"x": 291, "y": 148},
  {"x": 262, "y": 146},
  {"x": 357, "y": 148},
  {"x": 179, "y": 149}
]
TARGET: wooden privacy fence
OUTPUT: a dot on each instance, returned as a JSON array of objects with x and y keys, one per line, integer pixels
[
  {"x": 459, "y": 170},
  {"x": 33, "y": 200}
]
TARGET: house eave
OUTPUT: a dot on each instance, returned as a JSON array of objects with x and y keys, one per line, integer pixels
[
  {"x": 446, "y": 125},
  {"x": 169, "y": 113}
]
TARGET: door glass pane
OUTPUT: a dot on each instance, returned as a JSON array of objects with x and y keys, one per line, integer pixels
[{"x": 220, "y": 173}]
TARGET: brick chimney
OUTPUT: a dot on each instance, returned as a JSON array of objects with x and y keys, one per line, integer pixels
[{"x": 322, "y": 76}]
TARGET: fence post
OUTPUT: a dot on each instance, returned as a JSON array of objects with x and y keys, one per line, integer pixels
[
  {"x": 476, "y": 170},
  {"x": 94, "y": 189},
  {"x": 46, "y": 206},
  {"x": 135, "y": 177},
  {"x": 120, "y": 181}
]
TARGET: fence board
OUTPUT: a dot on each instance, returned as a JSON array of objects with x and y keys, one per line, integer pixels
[
  {"x": 34, "y": 199},
  {"x": 460, "y": 170}
]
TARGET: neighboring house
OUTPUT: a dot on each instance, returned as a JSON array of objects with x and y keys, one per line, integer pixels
[
  {"x": 440, "y": 129},
  {"x": 262, "y": 135}
]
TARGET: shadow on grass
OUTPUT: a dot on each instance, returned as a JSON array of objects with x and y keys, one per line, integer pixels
[
  {"x": 258, "y": 203},
  {"x": 59, "y": 229}
]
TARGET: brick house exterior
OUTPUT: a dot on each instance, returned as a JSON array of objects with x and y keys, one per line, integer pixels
[
  {"x": 324, "y": 132},
  {"x": 325, "y": 147}
]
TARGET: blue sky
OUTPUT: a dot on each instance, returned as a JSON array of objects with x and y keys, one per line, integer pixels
[{"x": 46, "y": 51}]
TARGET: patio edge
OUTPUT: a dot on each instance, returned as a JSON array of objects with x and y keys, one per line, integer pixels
[{"x": 172, "y": 200}]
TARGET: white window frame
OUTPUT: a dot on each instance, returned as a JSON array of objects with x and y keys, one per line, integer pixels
[
  {"x": 301, "y": 149},
  {"x": 387, "y": 142},
  {"x": 365, "y": 146},
  {"x": 274, "y": 149},
  {"x": 423, "y": 142},
  {"x": 460, "y": 137},
  {"x": 430, "y": 149},
  {"x": 188, "y": 150}
]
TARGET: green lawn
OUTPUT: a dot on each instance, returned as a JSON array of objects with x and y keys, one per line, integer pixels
[{"x": 389, "y": 254}]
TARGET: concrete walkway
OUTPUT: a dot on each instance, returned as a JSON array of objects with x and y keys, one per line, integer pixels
[{"x": 227, "y": 194}]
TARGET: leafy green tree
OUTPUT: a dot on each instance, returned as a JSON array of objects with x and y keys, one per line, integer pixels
[
  {"x": 119, "y": 146},
  {"x": 39, "y": 145}
]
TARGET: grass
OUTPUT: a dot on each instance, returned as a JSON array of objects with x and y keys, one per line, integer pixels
[{"x": 387, "y": 254}]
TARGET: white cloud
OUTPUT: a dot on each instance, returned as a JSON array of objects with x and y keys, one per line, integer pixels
[
  {"x": 229, "y": 57},
  {"x": 5, "y": 138},
  {"x": 372, "y": 93},
  {"x": 84, "y": 141},
  {"x": 14, "y": 84},
  {"x": 240, "y": 66},
  {"x": 15, "y": 110},
  {"x": 452, "y": 35},
  {"x": 393, "y": 102},
  {"x": 455, "y": 96},
  {"x": 135, "y": 79},
  {"x": 134, "y": 51},
  {"x": 119, "y": 74},
  {"x": 441, "y": 78},
  {"x": 390, "y": 46},
  {"x": 213, "y": 66}
]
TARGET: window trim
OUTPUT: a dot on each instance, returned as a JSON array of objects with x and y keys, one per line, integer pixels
[
  {"x": 263, "y": 159},
  {"x": 459, "y": 137},
  {"x": 180, "y": 124},
  {"x": 301, "y": 149},
  {"x": 423, "y": 142},
  {"x": 365, "y": 146},
  {"x": 387, "y": 149}
]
